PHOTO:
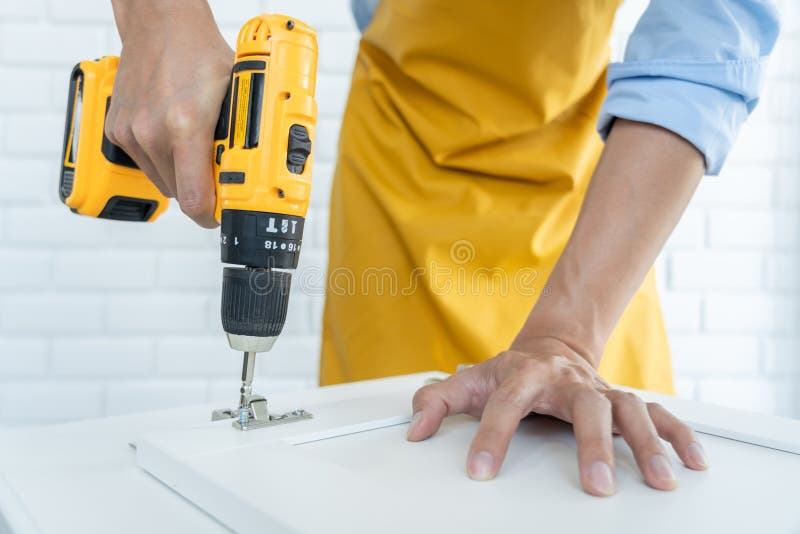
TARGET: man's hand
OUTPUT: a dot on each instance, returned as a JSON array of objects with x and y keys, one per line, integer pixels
[
  {"x": 173, "y": 74},
  {"x": 544, "y": 375},
  {"x": 641, "y": 185}
]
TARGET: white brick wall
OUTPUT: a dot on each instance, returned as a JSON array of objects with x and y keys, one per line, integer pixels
[
  {"x": 100, "y": 318},
  {"x": 729, "y": 273}
]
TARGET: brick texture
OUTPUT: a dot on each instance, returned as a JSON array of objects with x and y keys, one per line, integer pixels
[{"x": 101, "y": 317}]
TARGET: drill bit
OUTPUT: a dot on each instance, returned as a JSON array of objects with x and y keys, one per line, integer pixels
[
  {"x": 252, "y": 411},
  {"x": 248, "y": 368},
  {"x": 246, "y": 392}
]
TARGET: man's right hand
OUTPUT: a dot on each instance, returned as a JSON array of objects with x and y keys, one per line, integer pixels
[{"x": 173, "y": 75}]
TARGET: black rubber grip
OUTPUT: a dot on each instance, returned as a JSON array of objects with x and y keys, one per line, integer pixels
[
  {"x": 254, "y": 301},
  {"x": 129, "y": 209}
]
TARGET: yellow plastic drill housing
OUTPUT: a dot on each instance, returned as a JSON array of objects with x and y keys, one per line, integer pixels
[
  {"x": 262, "y": 148},
  {"x": 271, "y": 97},
  {"x": 98, "y": 179}
]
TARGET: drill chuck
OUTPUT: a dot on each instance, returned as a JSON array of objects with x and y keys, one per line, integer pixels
[{"x": 254, "y": 304}]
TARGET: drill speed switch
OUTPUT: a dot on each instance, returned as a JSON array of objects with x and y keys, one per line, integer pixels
[{"x": 299, "y": 149}]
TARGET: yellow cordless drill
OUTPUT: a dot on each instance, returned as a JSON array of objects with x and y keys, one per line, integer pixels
[{"x": 262, "y": 169}]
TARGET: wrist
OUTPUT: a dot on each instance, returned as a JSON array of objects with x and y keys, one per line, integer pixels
[{"x": 571, "y": 311}]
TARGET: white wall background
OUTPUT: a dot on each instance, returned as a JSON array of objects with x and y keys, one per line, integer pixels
[{"x": 100, "y": 318}]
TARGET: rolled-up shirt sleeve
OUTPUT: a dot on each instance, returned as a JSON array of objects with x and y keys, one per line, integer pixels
[
  {"x": 363, "y": 10},
  {"x": 694, "y": 67}
]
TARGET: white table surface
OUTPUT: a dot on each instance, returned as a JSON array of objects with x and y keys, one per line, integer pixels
[{"x": 83, "y": 477}]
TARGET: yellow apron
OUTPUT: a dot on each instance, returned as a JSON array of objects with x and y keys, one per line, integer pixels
[{"x": 465, "y": 151}]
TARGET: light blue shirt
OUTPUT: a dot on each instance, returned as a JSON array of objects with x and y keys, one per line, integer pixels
[{"x": 694, "y": 67}]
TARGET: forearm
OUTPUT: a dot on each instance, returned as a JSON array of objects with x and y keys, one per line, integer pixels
[
  {"x": 641, "y": 185},
  {"x": 152, "y": 16}
]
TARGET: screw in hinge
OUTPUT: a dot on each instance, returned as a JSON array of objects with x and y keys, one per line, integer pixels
[{"x": 244, "y": 416}]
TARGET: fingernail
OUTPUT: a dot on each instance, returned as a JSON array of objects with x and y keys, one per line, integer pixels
[
  {"x": 697, "y": 455},
  {"x": 601, "y": 478},
  {"x": 481, "y": 466},
  {"x": 412, "y": 427},
  {"x": 661, "y": 469}
]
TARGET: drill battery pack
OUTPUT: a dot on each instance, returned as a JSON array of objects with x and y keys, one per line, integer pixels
[{"x": 107, "y": 183}]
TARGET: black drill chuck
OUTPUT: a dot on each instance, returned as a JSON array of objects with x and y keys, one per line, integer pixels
[
  {"x": 255, "y": 296},
  {"x": 254, "y": 301}
]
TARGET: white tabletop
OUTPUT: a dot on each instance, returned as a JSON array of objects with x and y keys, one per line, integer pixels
[{"x": 83, "y": 477}]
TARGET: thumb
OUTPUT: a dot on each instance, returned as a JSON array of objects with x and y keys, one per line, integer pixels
[
  {"x": 434, "y": 402},
  {"x": 195, "y": 180}
]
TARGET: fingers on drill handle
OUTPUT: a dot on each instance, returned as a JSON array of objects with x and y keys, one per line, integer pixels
[
  {"x": 138, "y": 135},
  {"x": 150, "y": 146},
  {"x": 180, "y": 171},
  {"x": 195, "y": 180},
  {"x": 119, "y": 132}
]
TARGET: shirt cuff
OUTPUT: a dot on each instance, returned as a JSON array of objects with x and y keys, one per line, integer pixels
[{"x": 707, "y": 116}]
